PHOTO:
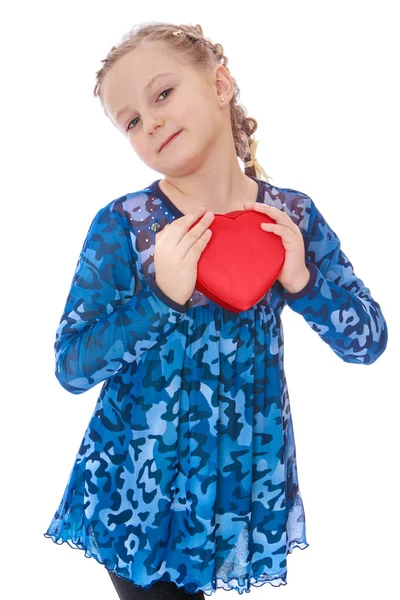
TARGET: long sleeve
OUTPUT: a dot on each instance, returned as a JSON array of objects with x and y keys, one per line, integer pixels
[
  {"x": 105, "y": 324},
  {"x": 335, "y": 302}
]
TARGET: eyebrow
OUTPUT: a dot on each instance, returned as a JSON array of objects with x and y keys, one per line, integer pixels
[{"x": 146, "y": 87}]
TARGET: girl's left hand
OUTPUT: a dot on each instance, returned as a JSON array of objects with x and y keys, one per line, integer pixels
[{"x": 294, "y": 274}]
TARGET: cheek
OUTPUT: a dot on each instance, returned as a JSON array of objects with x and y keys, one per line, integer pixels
[
  {"x": 142, "y": 151},
  {"x": 193, "y": 106}
]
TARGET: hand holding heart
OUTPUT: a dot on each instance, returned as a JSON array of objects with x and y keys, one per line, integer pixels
[
  {"x": 223, "y": 272},
  {"x": 177, "y": 251},
  {"x": 294, "y": 274}
]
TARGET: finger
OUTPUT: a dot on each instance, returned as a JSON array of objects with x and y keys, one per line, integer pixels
[
  {"x": 280, "y": 230},
  {"x": 278, "y": 215},
  {"x": 197, "y": 248},
  {"x": 194, "y": 234},
  {"x": 180, "y": 227},
  {"x": 267, "y": 209}
]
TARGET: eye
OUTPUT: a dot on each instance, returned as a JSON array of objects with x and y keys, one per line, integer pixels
[{"x": 133, "y": 120}]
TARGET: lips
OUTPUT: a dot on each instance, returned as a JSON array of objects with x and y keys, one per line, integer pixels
[{"x": 169, "y": 139}]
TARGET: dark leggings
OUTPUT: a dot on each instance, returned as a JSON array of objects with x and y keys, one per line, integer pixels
[{"x": 160, "y": 590}]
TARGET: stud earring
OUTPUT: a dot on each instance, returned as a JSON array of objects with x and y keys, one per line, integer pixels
[{"x": 222, "y": 99}]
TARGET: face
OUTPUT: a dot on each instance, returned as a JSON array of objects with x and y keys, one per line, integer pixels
[{"x": 186, "y": 100}]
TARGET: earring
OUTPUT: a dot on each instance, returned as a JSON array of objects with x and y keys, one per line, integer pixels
[{"x": 222, "y": 99}]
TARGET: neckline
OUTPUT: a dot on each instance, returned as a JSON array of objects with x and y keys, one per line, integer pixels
[{"x": 175, "y": 210}]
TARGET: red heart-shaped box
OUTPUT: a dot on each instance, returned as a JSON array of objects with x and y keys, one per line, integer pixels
[{"x": 241, "y": 261}]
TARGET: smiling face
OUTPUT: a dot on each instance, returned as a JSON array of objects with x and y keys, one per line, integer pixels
[{"x": 186, "y": 99}]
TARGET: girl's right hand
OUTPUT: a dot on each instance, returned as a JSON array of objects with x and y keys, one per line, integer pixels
[{"x": 177, "y": 252}]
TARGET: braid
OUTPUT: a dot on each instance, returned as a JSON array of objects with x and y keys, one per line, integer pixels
[{"x": 244, "y": 126}]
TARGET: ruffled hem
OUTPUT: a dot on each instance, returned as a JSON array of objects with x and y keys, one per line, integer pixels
[{"x": 244, "y": 585}]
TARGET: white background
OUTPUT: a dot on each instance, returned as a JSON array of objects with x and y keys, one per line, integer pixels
[{"x": 322, "y": 80}]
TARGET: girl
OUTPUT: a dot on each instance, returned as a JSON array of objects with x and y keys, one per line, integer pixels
[{"x": 186, "y": 478}]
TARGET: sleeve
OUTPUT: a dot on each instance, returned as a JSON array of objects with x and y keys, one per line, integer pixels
[
  {"x": 105, "y": 324},
  {"x": 335, "y": 302}
]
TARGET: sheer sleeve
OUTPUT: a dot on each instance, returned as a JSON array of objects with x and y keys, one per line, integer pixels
[
  {"x": 335, "y": 302},
  {"x": 106, "y": 324}
]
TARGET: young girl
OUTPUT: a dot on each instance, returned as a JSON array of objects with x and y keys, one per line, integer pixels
[{"x": 186, "y": 478}]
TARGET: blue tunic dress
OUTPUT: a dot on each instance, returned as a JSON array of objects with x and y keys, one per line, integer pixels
[{"x": 187, "y": 469}]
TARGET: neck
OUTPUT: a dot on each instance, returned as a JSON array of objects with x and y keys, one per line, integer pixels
[
  {"x": 215, "y": 181},
  {"x": 215, "y": 193}
]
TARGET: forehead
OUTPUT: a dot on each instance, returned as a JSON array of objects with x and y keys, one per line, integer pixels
[{"x": 128, "y": 76}]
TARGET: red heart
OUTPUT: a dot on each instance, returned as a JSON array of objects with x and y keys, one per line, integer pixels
[{"x": 241, "y": 261}]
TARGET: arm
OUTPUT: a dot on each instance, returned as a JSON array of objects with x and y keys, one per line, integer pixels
[
  {"x": 105, "y": 324},
  {"x": 335, "y": 302}
]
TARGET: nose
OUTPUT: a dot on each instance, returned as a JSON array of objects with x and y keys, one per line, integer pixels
[{"x": 154, "y": 124}]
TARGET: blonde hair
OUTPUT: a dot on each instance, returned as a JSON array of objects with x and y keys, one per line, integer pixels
[{"x": 202, "y": 53}]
